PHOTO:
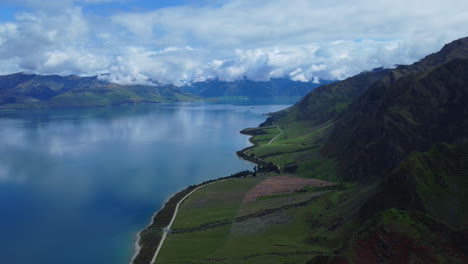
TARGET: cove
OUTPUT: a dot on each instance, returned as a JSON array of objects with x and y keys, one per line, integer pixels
[{"x": 76, "y": 185}]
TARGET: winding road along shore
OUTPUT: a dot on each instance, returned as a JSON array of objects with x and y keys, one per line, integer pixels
[
  {"x": 149, "y": 242},
  {"x": 167, "y": 229}
]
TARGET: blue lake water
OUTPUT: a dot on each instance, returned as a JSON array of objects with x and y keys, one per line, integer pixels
[{"x": 77, "y": 185}]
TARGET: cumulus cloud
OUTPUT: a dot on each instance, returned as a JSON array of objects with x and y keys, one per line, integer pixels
[
  {"x": 300, "y": 39},
  {"x": 44, "y": 44}
]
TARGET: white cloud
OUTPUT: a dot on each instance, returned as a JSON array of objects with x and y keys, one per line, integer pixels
[
  {"x": 50, "y": 44},
  {"x": 305, "y": 40}
]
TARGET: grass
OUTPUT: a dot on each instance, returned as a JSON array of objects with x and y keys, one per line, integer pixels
[
  {"x": 274, "y": 201},
  {"x": 441, "y": 182},
  {"x": 216, "y": 202},
  {"x": 299, "y": 145},
  {"x": 287, "y": 234},
  {"x": 264, "y": 139},
  {"x": 192, "y": 247}
]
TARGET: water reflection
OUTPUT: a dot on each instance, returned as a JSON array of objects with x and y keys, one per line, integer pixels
[{"x": 86, "y": 180}]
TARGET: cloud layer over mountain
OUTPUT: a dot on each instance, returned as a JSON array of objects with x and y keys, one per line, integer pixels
[{"x": 197, "y": 40}]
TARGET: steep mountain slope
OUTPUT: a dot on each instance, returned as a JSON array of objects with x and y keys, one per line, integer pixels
[
  {"x": 389, "y": 121},
  {"x": 280, "y": 87},
  {"x": 400, "y": 237},
  {"x": 28, "y": 90},
  {"x": 433, "y": 182},
  {"x": 343, "y": 124},
  {"x": 418, "y": 214},
  {"x": 402, "y": 140},
  {"x": 327, "y": 102}
]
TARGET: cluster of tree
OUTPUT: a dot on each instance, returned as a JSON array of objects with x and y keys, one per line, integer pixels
[
  {"x": 267, "y": 167},
  {"x": 264, "y": 168},
  {"x": 239, "y": 174}
]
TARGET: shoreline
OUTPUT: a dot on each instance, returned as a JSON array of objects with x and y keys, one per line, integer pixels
[
  {"x": 149, "y": 239},
  {"x": 261, "y": 163},
  {"x": 167, "y": 229},
  {"x": 137, "y": 246}
]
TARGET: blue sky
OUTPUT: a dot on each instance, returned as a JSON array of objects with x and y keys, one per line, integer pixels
[
  {"x": 10, "y": 7},
  {"x": 7, "y": 13},
  {"x": 136, "y": 6},
  {"x": 177, "y": 41}
]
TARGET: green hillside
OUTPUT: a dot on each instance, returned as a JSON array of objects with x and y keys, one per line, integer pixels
[
  {"x": 36, "y": 91},
  {"x": 394, "y": 142}
]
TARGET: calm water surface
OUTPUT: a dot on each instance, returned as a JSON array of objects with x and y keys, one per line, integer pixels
[{"x": 77, "y": 185}]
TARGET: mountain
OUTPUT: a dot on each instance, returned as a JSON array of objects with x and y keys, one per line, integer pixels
[
  {"x": 327, "y": 102},
  {"x": 280, "y": 87},
  {"x": 357, "y": 115},
  {"x": 389, "y": 121},
  {"x": 29, "y": 90},
  {"x": 433, "y": 182},
  {"x": 400, "y": 138}
]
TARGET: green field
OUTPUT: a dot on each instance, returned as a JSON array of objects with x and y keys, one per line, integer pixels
[
  {"x": 299, "y": 145},
  {"x": 216, "y": 202},
  {"x": 213, "y": 225}
]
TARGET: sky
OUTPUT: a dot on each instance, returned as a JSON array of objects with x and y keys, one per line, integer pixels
[{"x": 183, "y": 41}]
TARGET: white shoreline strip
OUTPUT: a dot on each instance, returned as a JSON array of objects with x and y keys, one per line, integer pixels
[
  {"x": 137, "y": 247},
  {"x": 137, "y": 243},
  {"x": 167, "y": 229}
]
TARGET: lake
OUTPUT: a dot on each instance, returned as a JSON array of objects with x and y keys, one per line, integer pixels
[{"x": 77, "y": 185}]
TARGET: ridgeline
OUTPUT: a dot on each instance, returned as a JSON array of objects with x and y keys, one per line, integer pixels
[{"x": 395, "y": 143}]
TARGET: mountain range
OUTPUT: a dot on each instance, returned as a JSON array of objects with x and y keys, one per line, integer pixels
[
  {"x": 274, "y": 88},
  {"x": 400, "y": 136},
  {"x": 29, "y": 90}
]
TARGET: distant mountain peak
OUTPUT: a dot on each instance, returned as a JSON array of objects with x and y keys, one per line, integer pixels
[{"x": 275, "y": 87}]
